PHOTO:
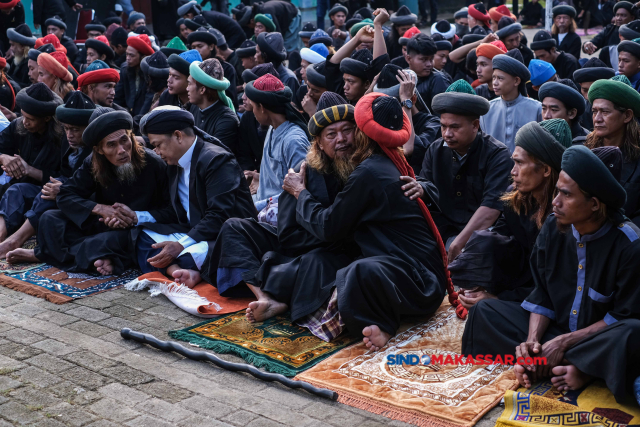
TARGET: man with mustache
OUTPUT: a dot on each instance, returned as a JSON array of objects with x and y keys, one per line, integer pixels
[
  {"x": 583, "y": 314},
  {"x": 99, "y": 83},
  {"x": 94, "y": 233}
]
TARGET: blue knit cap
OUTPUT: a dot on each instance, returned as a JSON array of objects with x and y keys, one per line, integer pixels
[
  {"x": 97, "y": 65},
  {"x": 320, "y": 49},
  {"x": 541, "y": 71},
  {"x": 191, "y": 55}
]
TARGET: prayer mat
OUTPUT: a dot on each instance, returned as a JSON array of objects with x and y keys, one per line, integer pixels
[
  {"x": 202, "y": 301},
  {"x": 58, "y": 286},
  {"x": 432, "y": 394},
  {"x": 593, "y": 405},
  {"x": 276, "y": 344},
  {"x": 5, "y": 267}
]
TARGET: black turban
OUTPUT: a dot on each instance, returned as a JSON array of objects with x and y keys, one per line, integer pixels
[
  {"x": 569, "y": 96},
  {"x": 272, "y": 44},
  {"x": 539, "y": 142},
  {"x": 100, "y": 47},
  {"x": 38, "y": 100},
  {"x": 564, "y": 9},
  {"x": 165, "y": 120},
  {"x": 259, "y": 71},
  {"x": 593, "y": 70},
  {"x": 623, "y": 4},
  {"x": 592, "y": 176},
  {"x": 515, "y": 54},
  {"x": 631, "y": 30},
  {"x": 422, "y": 44},
  {"x": 509, "y": 29},
  {"x": 56, "y": 22},
  {"x": 155, "y": 65},
  {"x": 77, "y": 110},
  {"x": 543, "y": 40},
  {"x": 612, "y": 158},
  {"x": 441, "y": 42},
  {"x": 472, "y": 38},
  {"x": 105, "y": 121},
  {"x": 272, "y": 100},
  {"x": 631, "y": 47},
  {"x": 514, "y": 67},
  {"x": 45, "y": 48},
  {"x": 461, "y": 104},
  {"x": 204, "y": 35},
  {"x": 246, "y": 49},
  {"x": 315, "y": 75},
  {"x": 95, "y": 26},
  {"x": 179, "y": 64},
  {"x": 338, "y": 8},
  {"x": 355, "y": 68},
  {"x": 119, "y": 37}
]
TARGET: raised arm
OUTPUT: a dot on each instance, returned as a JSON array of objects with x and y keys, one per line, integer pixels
[{"x": 460, "y": 54}]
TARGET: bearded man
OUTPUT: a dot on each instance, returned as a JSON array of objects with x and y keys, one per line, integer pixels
[{"x": 95, "y": 233}]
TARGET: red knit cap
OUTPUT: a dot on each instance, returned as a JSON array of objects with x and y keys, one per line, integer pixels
[
  {"x": 55, "y": 64},
  {"x": 98, "y": 76},
  {"x": 9, "y": 5},
  {"x": 51, "y": 38},
  {"x": 102, "y": 39},
  {"x": 499, "y": 12},
  {"x": 141, "y": 43},
  {"x": 411, "y": 32},
  {"x": 489, "y": 50},
  {"x": 475, "y": 13},
  {"x": 388, "y": 140},
  {"x": 268, "y": 83}
]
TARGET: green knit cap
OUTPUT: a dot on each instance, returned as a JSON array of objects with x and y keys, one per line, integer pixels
[
  {"x": 619, "y": 93},
  {"x": 176, "y": 43},
  {"x": 622, "y": 78},
  {"x": 363, "y": 23},
  {"x": 461, "y": 86},
  {"x": 560, "y": 131},
  {"x": 266, "y": 21}
]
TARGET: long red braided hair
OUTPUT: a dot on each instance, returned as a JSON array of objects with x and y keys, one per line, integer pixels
[{"x": 389, "y": 139}]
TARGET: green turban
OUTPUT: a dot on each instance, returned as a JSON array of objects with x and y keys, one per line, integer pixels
[
  {"x": 205, "y": 79},
  {"x": 619, "y": 93}
]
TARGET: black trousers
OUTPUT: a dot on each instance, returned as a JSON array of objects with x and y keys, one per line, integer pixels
[{"x": 497, "y": 327}]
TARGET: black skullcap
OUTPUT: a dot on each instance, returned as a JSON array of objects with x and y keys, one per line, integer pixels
[
  {"x": 155, "y": 65},
  {"x": 570, "y": 97},
  {"x": 38, "y": 100},
  {"x": 388, "y": 77},
  {"x": 179, "y": 64},
  {"x": 204, "y": 35},
  {"x": 355, "y": 68},
  {"x": 570, "y": 83},
  {"x": 612, "y": 158},
  {"x": 505, "y": 21},
  {"x": 422, "y": 44},
  {"x": 315, "y": 75},
  {"x": 45, "y": 48},
  {"x": 165, "y": 120},
  {"x": 564, "y": 9},
  {"x": 594, "y": 69},
  {"x": 219, "y": 37},
  {"x": 95, "y": 26},
  {"x": 105, "y": 121},
  {"x": 509, "y": 29},
  {"x": 329, "y": 99},
  {"x": 514, "y": 67},
  {"x": 112, "y": 20},
  {"x": 190, "y": 7},
  {"x": 387, "y": 112},
  {"x": 631, "y": 30},
  {"x": 541, "y": 144},
  {"x": 196, "y": 22},
  {"x": 472, "y": 38},
  {"x": 461, "y": 104},
  {"x": 55, "y": 21},
  {"x": 623, "y": 4},
  {"x": 307, "y": 30},
  {"x": 366, "y": 13},
  {"x": 101, "y": 47},
  {"x": 356, "y": 18},
  {"x": 272, "y": 44},
  {"x": 77, "y": 110},
  {"x": 242, "y": 14},
  {"x": 592, "y": 176},
  {"x": 142, "y": 29},
  {"x": 442, "y": 43},
  {"x": 259, "y": 71},
  {"x": 119, "y": 37},
  {"x": 515, "y": 54},
  {"x": 247, "y": 49},
  {"x": 631, "y": 47},
  {"x": 543, "y": 40}
]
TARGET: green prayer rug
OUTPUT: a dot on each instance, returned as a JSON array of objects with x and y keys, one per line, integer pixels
[{"x": 277, "y": 345}]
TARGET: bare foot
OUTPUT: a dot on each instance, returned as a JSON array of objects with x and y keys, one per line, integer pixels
[
  {"x": 19, "y": 255},
  {"x": 7, "y": 246},
  {"x": 261, "y": 310},
  {"x": 374, "y": 338},
  {"x": 569, "y": 377},
  {"x": 524, "y": 377},
  {"x": 104, "y": 266},
  {"x": 187, "y": 277}
]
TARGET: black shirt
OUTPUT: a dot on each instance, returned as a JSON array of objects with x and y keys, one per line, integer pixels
[
  {"x": 571, "y": 44},
  {"x": 218, "y": 121},
  {"x": 432, "y": 85},
  {"x": 565, "y": 64}
]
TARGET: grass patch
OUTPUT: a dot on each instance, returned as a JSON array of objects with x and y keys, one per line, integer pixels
[
  {"x": 34, "y": 407},
  {"x": 5, "y": 371}
]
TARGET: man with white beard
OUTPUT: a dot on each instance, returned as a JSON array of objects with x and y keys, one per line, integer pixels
[{"x": 99, "y": 233}]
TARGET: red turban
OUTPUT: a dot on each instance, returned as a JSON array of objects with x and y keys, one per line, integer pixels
[
  {"x": 56, "y": 65},
  {"x": 489, "y": 50},
  {"x": 499, "y": 12},
  {"x": 389, "y": 139},
  {"x": 9, "y": 4},
  {"x": 141, "y": 43},
  {"x": 51, "y": 38},
  {"x": 475, "y": 13},
  {"x": 98, "y": 76}
]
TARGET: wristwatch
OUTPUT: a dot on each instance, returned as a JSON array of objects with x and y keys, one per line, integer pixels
[{"x": 407, "y": 103}]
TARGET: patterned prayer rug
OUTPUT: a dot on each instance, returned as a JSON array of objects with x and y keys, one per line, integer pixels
[
  {"x": 276, "y": 344},
  {"x": 59, "y": 287},
  {"x": 5, "y": 267},
  {"x": 433, "y": 394},
  {"x": 593, "y": 405}
]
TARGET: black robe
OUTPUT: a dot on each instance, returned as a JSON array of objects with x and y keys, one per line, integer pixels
[
  {"x": 127, "y": 95},
  {"x": 586, "y": 120},
  {"x": 217, "y": 191},
  {"x": 218, "y": 121},
  {"x": 288, "y": 77},
  {"x": 251, "y": 142},
  {"x": 337, "y": 42},
  {"x": 228, "y": 26},
  {"x": 401, "y": 271},
  {"x": 8, "y": 91},
  {"x": 235, "y": 61},
  {"x": 630, "y": 180},
  {"x": 11, "y": 20},
  {"x": 498, "y": 259},
  {"x": 607, "y": 37},
  {"x": 527, "y": 54},
  {"x": 20, "y": 73},
  {"x": 72, "y": 239},
  {"x": 578, "y": 133},
  {"x": 432, "y": 85},
  {"x": 427, "y": 129},
  {"x": 565, "y": 65},
  {"x": 463, "y": 187},
  {"x": 39, "y": 151},
  {"x": 282, "y": 12},
  {"x": 167, "y": 99},
  {"x": 394, "y": 49},
  {"x": 571, "y": 44},
  {"x": 401, "y": 62},
  {"x": 578, "y": 282},
  {"x": 45, "y": 9},
  {"x": 532, "y": 13}
]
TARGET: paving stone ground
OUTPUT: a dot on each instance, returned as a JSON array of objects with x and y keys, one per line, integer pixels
[{"x": 66, "y": 365}]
